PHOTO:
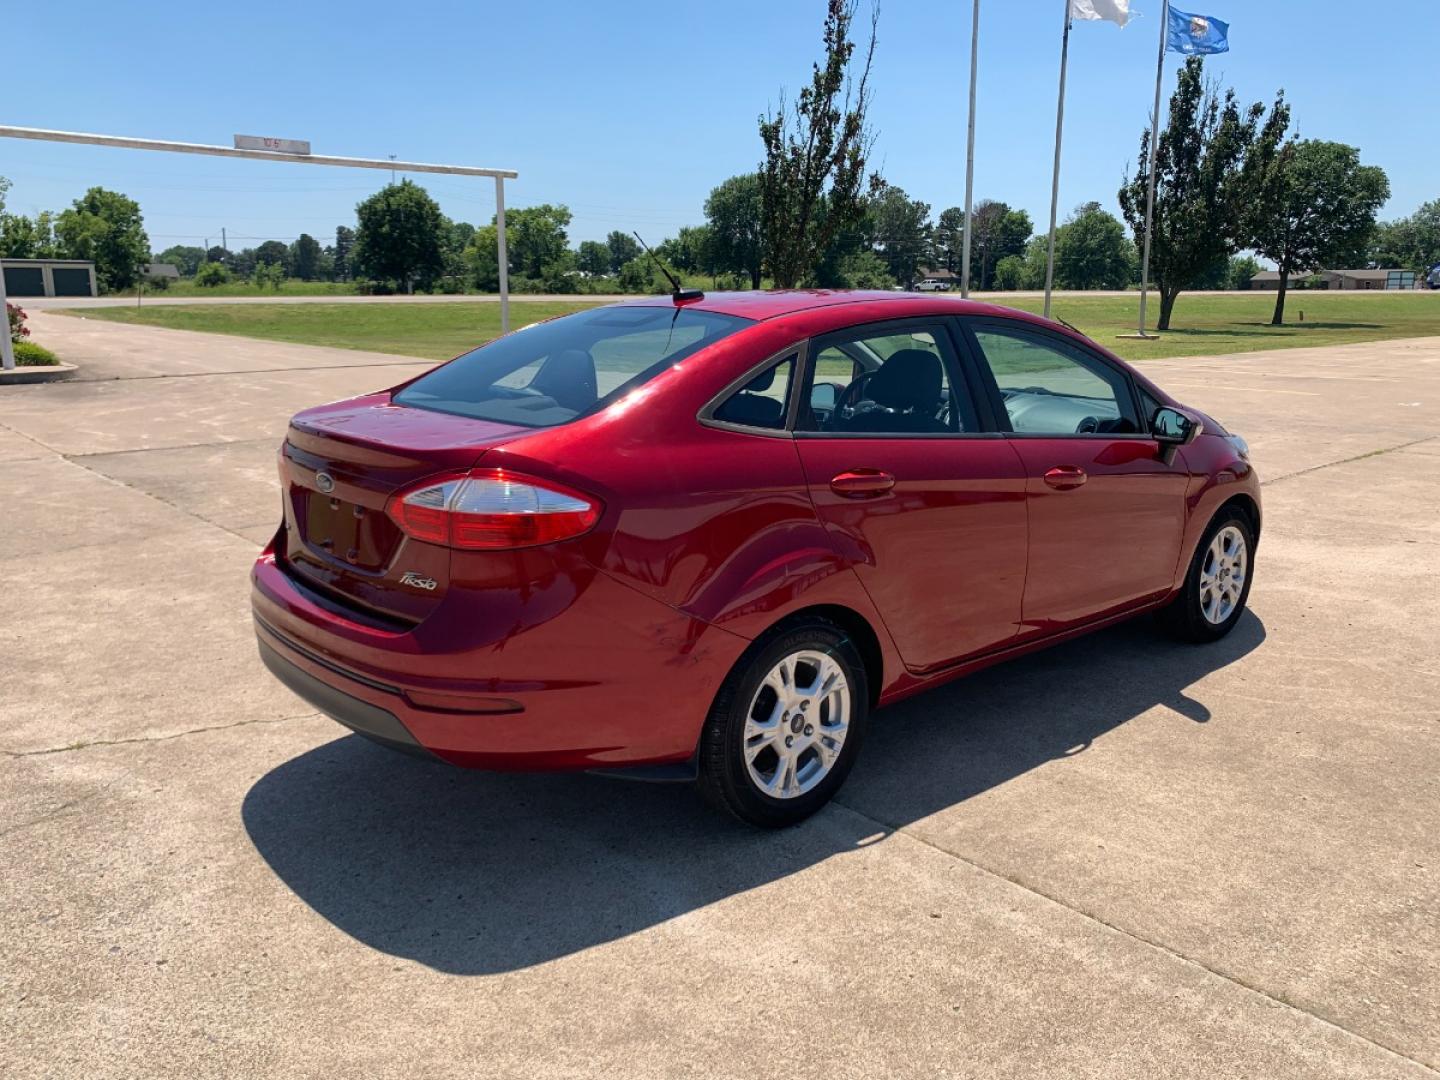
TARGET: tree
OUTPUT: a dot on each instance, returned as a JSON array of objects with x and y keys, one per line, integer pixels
[
  {"x": 998, "y": 232},
  {"x": 1010, "y": 273},
  {"x": 689, "y": 251},
  {"x": 535, "y": 238},
  {"x": 398, "y": 238},
  {"x": 1242, "y": 269},
  {"x": 273, "y": 253},
  {"x": 900, "y": 231},
  {"x": 948, "y": 239},
  {"x": 622, "y": 247},
  {"x": 1411, "y": 243},
  {"x": 106, "y": 228},
  {"x": 304, "y": 257},
  {"x": 593, "y": 257},
  {"x": 184, "y": 257},
  {"x": 1199, "y": 191},
  {"x": 211, "y": 274},
  {"x": 344, "y": 243},
  {"x": 218, "y": 254},
  {"x": 1091, "y": 251},
  {"x": 1311, "y": 203},
  {"x": 814, "y": 167},
  {"x": 733, "y": 212},
  {"x": 28, "y": 238},
  {"x": 4, "y": 187}
]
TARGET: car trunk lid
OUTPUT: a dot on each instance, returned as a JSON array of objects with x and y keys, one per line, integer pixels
[{"x": 339, "y": 466}]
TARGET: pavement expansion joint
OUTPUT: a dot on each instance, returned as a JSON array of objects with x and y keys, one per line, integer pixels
[
  {"x": 93, "y": 743},
  {"x": 1278, "y": 1002}
]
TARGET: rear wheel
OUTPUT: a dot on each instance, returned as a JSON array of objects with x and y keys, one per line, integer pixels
[
  {"x": 1217, "y": 584},
  {"x": 786, "y": 726}
]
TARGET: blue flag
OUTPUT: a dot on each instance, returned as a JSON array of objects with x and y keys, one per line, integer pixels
[{"x": 1196, "y": 35}]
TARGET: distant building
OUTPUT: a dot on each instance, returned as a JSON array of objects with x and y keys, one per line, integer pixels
[
  {"x": 1369, "y": 279},
  {"x": 1340, "y": 279},
  {"x": 160, "y": 272},
  {"x": 48, "y": 277}
]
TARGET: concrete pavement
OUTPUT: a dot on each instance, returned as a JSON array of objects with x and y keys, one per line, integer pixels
[{"x": 1122, "y": 857}]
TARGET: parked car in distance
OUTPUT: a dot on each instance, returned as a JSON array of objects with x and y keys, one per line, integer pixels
[
  {"x": 932, "y": 285},
  {"x": 705, "y": 539}
]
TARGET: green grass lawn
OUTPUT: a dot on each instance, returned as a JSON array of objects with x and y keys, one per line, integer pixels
[
  {"x": 433, "y": 331},
  {"x": 1202, "y": 324}
]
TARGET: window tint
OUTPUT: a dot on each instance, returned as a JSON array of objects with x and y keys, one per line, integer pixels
[
  {"x": 1051, "y": 389},
  {"x": 552, "y": 372},
  {"x": 888, "y": 382},
  {"x": 762, "y": 401}
]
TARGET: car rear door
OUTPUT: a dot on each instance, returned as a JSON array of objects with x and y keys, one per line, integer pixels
[
  {"x": 926, "y": 505},
  {"x": 1106, "y": 509}
]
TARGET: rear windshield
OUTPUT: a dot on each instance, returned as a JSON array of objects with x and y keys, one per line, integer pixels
[{"x": 552, "y": 372}]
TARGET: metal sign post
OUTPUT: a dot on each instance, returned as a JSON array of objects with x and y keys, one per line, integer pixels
[
  {"x": 295, "y": 151},
  {"x": 7, "y": 354}
]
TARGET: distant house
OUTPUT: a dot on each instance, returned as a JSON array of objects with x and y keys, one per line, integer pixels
[
  {"x": 1340, "y": 279},
  {"x": 160, "y": 272},
  {"x": 48, "y": 277},
  {"x": 1369, "y": 279}
]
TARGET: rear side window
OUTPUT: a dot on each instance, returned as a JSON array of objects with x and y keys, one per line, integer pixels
[
  {"x": 761, "y": 402},
  {"x": 555, "y": 371}
]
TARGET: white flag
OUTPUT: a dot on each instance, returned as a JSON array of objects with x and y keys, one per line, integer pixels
[{"x": 1116, "y": 11}]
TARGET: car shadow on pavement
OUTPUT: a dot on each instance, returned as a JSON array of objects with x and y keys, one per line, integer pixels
[{"x": 476, "y": 873}]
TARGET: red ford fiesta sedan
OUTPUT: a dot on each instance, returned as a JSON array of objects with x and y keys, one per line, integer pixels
[{"x": 704, "y": 538}]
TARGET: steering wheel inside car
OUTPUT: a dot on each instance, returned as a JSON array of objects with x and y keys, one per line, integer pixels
[{"x": 845, "y": 404}]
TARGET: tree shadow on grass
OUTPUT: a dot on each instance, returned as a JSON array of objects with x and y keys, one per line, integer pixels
[
  {"x": 475, "y": 873},
  {"x": 1266, "y": 330}
]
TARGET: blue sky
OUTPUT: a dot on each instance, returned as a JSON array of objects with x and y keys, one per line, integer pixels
[{"x": 630, "y": 112}]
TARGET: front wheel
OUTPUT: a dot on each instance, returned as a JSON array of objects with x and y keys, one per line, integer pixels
[
  {"x": 1217, "y": 584},
  {"x": 786, "y": 726}
]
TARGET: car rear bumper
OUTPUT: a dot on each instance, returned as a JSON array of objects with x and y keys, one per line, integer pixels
[
  {"x": 361, "y": 717},
  {"x": 608, "y": 679}
]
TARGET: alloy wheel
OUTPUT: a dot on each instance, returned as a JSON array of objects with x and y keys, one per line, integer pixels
[
  {"x": 796, "y": 724},
  {"x": 1222, "y": 575}
]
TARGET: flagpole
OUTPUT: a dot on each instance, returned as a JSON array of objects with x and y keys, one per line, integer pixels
[
  {"x": 1055, "y": 180},
  {"x": 970, "y": 152},
  {"x": 1150, "y": 187}
]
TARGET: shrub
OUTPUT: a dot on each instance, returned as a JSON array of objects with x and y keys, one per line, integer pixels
[
  {"x": 16, "y": 317},
  {"x": 28, "y": 354},
  {"x": 211, "y": 274}
]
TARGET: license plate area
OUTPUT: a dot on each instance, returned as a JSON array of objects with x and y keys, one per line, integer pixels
[{"x": 356, "y": 535}]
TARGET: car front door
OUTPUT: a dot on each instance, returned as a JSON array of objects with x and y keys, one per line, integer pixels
[
  {"x": 1106, "y": 509},
  {"x": 927, "y": 507}
]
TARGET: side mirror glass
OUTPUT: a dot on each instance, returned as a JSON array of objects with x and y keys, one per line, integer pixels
[
  {"x": 824, "y": 395},
  {"x": 1174, "y": 427}
]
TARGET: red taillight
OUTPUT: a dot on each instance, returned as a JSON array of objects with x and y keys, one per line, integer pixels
[{"x": 492, "y": 509}]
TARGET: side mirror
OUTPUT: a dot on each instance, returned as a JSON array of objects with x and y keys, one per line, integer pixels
[
  {"x": 1173, "y": 428},
  {"x": 823, "y": 396}
]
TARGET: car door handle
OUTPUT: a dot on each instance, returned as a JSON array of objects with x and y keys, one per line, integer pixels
[
  {"x": 1065, "y": 477},
  {"x": 861, "y": 483}
]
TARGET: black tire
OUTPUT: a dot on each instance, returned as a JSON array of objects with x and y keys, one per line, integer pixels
[
  {"x": 725, "y": 779},
  {"x": 1184, "y": 617}
]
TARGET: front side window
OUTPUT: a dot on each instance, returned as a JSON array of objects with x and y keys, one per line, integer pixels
[
  {"x": 553, "y": 372},
  {"x": 888, "y": 381},
  {"x": 1050, "y": 388}
]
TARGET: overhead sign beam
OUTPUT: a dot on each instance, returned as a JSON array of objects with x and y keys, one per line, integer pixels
[
  {"x": 239, "y": 152},
  {"x": 261, "y": 148}
]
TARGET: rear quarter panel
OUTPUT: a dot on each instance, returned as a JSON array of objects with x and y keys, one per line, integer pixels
[{"x": 714, "y": 522}]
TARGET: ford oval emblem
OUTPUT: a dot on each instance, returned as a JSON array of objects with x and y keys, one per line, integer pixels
[{"x": 325, "y": 482}]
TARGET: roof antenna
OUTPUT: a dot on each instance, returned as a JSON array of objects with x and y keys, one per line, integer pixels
[{"x": 678, "y": 294}]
